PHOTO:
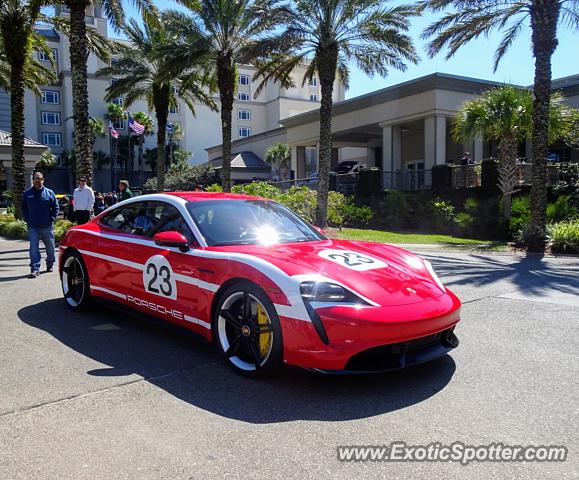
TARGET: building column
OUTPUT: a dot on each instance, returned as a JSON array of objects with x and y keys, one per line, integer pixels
[
  {"x": 391, "y": 148},
  {"x": 434, "y": 141},
  {"x": 477, "y": 154},
  {"x": 300, "y": 162},
  {"x": 387, "y": 164}
]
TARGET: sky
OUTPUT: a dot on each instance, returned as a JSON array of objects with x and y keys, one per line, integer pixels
[{"x": 474, "y": 60}]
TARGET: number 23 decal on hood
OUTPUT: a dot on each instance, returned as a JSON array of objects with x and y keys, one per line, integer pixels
[{"x": 352, "y": 260}]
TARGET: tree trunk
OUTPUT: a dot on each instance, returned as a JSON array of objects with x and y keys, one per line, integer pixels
[
  {"x": 544, "y": 18},
  {"x": 507, "y": 172},
  {"x": 17, "y": 130},
  {"x": 226, "y": 84},
  {"x": 327, "y": 73},
  {"x": 78, "y": 66},
  {"x": 161, "y": 94}
]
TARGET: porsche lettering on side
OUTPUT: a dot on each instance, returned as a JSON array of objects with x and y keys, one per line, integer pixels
[{"x": 264, "y": 285}]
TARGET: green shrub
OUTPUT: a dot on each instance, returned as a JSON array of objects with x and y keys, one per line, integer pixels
[
  {"x": 214, "y": 188},
  {"x": 563, "y": 237},
  {"x": 60, "y": 228},
  {"x": 354, "y": 215},
  {"x": 16, "y": 229},
  {"x": 520, "y": 217},
  {"x": 7, "y": 217},
  {"x": 561, "y": 210},
  {"x": 395, "y": 208},
  {"x": 466, "y": 222},
  {"x": 444, "y": 213}
]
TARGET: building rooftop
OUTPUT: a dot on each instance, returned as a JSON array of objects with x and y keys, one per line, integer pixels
[
  {"x": 6, "y": 139},
  {"x": 245, "y": 160},
  {"x": 47, "y": 31}
]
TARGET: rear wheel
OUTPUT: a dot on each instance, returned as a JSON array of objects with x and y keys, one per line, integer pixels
[
  {"x": 75, "y": 282},
  {"x": 247, "y": 331}
]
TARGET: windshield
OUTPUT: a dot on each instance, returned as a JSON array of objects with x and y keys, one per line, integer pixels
[{"x": 249, "y": 222}]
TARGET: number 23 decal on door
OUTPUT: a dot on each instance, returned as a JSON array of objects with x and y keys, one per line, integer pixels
[
  {"x": 352, "y": 260},
  {"x": 159, "y": 278}
]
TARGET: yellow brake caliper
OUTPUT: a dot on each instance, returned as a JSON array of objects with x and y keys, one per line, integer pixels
[{"x": 264, "y": 338}]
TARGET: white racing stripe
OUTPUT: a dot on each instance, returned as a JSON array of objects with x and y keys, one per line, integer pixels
[
  {"x": 290, "y": 286},
  {"x": 110, "y": 292},
  {"x": 198, "y": 321}
]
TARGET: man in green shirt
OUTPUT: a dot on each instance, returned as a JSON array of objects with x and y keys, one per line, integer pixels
[{"x": 125, "y": 193}]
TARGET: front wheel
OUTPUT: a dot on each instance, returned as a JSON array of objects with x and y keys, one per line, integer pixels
[
  {"x": 247, "y": 331},
  {"x": 75, "y": 282}
]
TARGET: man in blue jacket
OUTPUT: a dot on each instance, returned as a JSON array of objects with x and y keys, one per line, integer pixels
[{"x": 40, "y": 208}]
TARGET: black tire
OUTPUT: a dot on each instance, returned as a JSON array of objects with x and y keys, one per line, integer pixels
[
  {"x": 244, "y": 339},
  {"x": 75, "y": 282}
]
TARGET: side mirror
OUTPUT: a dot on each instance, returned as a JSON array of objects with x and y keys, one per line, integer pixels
[{"x": 172, "y": 239}]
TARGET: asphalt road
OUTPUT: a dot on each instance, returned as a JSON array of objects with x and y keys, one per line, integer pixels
[{"x": 104, "y": 395}]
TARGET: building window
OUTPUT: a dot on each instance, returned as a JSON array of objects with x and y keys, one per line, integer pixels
[
  {"x": 174, "y": 110},
  {"x": 118, "y": 101},
  {"x": 243, "y": 79},
  {"x": 244, "y": 115},
  {"x": 50, "y": 96},
  {"x": 313, "y": 82},
  {"x": 59, "y": 161},
  {"x": 50, "y": 118},
  {"x": 52, "y": 139},
  {"x": 119, "y": 125},
  {"x": 314, "y": 97},
  {"x": 244, "y": 132},
  {"x": 243, "y": 97}
]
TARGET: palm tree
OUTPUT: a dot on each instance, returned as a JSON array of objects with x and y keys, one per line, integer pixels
[
  {"x": 279, "y": 157},
  {"x": 470, "y": 19},
  {"x": 505, "y": 114},
  {"x": 97, "y": 129},
  {"x": 79, "y": 51},
  {"x": 147, "y": 122},
  {"x": 326, "y": 35},
  {"x": 18, "y": 41},
  {"x": 141, "y": 72},
  {"x": 115, "y": 114},
  {"x": 231, "y": 29}
]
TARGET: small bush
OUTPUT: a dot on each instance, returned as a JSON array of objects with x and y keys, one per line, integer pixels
[
  {"x": 520, "y": 217},
  {"x": 60, "y": 229},
  {"x": 354, "y": 215},
  {"x": 563, "y": 237},
  {"x": 561, "y": 210},
  {"x": 214, "y": 188},
  {"x": 466, "y": 222},
  {"x": 16, "y": 229},
  {"x": 444, "y": 213}
]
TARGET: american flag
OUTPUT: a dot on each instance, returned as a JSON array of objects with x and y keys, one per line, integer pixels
[
  {"x": 135, "y": 126},
  {"x": 112, "y": 131}
]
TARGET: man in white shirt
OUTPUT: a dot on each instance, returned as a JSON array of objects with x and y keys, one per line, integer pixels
[{"x": 83, "y": 201}]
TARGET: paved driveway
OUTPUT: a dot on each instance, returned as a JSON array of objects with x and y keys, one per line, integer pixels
[{"x": 105, "y": 396}]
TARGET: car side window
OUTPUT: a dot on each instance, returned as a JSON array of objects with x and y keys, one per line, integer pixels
[
  {"x": 130, "y": 218},
  {"x": 166, "y": 218}
]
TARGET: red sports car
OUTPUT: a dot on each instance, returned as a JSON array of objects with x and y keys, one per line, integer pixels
[{"x": 263, "y": 284}]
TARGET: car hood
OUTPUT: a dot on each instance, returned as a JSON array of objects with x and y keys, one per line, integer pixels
[{"x": 380, "y": 273}]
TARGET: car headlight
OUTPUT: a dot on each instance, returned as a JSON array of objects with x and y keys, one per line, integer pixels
[
  {"x": 433, "y": 274},
  {"x": 327, "y": 292}
]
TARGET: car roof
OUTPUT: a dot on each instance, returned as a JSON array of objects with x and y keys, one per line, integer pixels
[{"x": 204, "y": 196}]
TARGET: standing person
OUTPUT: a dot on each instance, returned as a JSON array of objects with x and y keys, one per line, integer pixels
[
  {"x": 40, "y": 209},
  {"x": 125, "y": 193},
  {"x": 99, "y": 204},
  {"x": 83, "y": 201}
]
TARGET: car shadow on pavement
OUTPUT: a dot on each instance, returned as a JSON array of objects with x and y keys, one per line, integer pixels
[
  {"x": 531, "y": 273},
  {"x": 193, "y": 372}
]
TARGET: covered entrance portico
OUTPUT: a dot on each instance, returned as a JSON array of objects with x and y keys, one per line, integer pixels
[{"x": 405, "y": 128}]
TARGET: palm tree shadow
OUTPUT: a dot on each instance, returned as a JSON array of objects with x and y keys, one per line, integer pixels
[
  {"x": 194, "y": 373},
  {"x": 531, "y": 273}
]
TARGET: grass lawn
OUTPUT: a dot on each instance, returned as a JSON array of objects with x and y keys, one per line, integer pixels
[{"x": 416, "y": 238}]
